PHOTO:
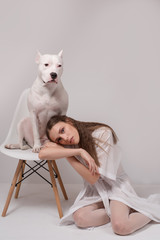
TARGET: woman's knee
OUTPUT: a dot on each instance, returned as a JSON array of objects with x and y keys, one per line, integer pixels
[
  {"x": 121, "y": 227},
  {"x": 79, "y": 217}
]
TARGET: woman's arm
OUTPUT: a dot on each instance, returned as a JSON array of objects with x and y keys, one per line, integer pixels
[
  {"x": 55, "y": 151},
  {"x": 83, "y": 171},
  {"x": 51, "y": 151}
]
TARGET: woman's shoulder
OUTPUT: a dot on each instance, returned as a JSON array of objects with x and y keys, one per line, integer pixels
[{"x": 102, "y": 132}]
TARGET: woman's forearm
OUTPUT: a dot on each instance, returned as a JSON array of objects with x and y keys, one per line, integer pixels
[
  {"x": 54, "y": 151},
  {"x": 83, "y": 171},
  {"x": 51, "y": 153}
]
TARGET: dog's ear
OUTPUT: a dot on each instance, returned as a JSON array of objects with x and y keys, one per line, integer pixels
[
  {"x": 60, "y": 53},
  {"x": 38, "y": 56}
]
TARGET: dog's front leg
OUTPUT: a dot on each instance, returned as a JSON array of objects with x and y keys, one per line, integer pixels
[{"x": 37, "y": 143}]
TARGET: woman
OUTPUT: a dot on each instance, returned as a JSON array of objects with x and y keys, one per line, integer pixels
[{"x": 107, "y": 195}]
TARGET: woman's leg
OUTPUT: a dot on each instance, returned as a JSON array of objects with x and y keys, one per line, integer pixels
[
  {"x": 91, "y": 216},
  {"x": 123, "y": 222}
]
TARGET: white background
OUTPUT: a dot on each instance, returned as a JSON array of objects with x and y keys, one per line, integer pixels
[{"x": 111, "y": 71}]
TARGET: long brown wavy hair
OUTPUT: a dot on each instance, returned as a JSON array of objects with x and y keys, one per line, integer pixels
[{"x": 84, "y": 129}]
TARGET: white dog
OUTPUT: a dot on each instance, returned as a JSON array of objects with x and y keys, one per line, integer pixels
[{"x": 47, "y": 97}]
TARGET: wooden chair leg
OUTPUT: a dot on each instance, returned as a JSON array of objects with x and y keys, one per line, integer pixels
[
  {"x": 12, "y": 187},
  {"x": 55, "y": 189},
  {"x": 60, "y": 180},
  {"x": 20, "y": 178}
]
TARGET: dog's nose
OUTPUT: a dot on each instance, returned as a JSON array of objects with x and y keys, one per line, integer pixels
[{"x": 53, "y": 75}]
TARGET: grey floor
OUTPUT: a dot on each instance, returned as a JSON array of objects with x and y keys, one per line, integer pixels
[{"x": 34, "y": 216}]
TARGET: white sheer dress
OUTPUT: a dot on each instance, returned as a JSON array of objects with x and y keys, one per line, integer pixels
[{"x": 112, "y": 184}]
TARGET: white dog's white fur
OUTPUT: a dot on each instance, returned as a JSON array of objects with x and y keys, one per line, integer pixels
[{"x": 47, "y": 97}]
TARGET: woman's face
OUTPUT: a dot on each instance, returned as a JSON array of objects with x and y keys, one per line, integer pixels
[{"x": 64, "y": 133}]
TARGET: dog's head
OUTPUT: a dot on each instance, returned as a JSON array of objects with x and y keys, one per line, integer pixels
[{"x": 50, "y": 67}]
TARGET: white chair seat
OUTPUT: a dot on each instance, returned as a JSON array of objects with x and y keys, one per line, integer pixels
[{"x": 20, "y": 154}]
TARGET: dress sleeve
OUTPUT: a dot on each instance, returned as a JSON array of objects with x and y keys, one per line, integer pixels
[{"x": 108, "y": 153}]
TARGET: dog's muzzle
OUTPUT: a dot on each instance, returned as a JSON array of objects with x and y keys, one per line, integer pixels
[{"x": 53, "y": 75}]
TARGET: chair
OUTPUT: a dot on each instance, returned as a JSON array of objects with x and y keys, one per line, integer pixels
[{"x": 28, "y": 155}]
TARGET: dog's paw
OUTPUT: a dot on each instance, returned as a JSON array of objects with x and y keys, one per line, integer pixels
[
  {"x": 12, "y": 146},
  {"x": 36, "y": 148},
  {"x": 8, "y": 146}
]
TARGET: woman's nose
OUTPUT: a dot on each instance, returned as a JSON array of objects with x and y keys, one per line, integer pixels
[{"x": 65, "y": 137}]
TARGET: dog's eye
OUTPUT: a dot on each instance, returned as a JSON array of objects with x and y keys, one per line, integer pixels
[
  {"x": 59, "y": 65},
  {"x": 46, "y": 64}
]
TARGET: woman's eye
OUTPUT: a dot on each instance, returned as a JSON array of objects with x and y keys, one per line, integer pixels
[
  {"x": 46, "y": 64},
  {"x": 62, "y": 130},
  {"x": 59, "y": 65}
]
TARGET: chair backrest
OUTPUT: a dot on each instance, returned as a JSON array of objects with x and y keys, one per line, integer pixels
[
  {"x": 20, "y": 112},
  {"x": 12, "y": 137}
]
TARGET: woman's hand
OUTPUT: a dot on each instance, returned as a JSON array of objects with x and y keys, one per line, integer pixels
[
  {"x": 51, "y": 144},
  {"x": 89, "y": 161}
]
